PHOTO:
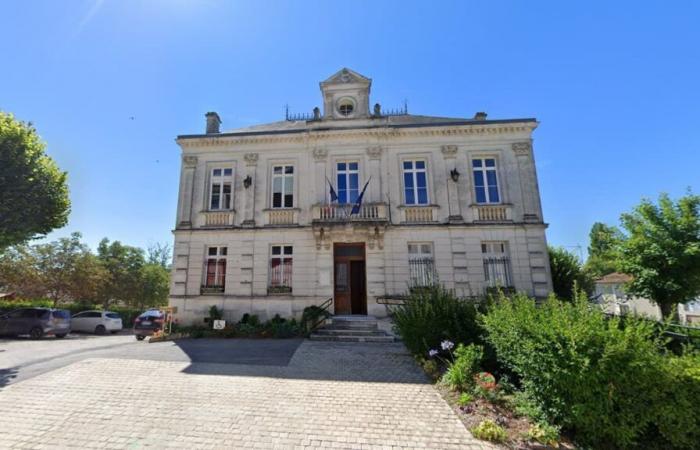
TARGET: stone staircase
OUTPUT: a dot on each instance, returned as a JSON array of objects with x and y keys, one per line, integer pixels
[{"x": 351, "y": 329}]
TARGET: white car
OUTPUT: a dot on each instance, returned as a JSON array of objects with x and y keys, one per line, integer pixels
[{"x": 98, "y": 322}]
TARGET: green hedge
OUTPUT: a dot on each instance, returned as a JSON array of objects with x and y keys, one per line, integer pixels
[
  {"x": 612, "y": 385},
  {"x": 432, "y": 315},
  {"x": 128, "y": 314}
]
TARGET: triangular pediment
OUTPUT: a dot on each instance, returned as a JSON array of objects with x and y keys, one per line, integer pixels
[{"x": 346, "y": 76}]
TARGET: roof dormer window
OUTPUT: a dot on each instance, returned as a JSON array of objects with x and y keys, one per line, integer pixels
[{"x": 346, "y": 106}]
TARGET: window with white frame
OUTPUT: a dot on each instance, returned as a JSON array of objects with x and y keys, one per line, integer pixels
[
  {"x": 221, "y": 188},
  {"x": 280, "y": 269},
  {"x": 283, "y": 186},
  {"x": 348, "y": 177},
  {"x": 415, "y": 182},
  {"x": 485, "y": 180},
  {"x": 496, "y": 263},
  {"x": 215, "y": 269},
  {"x": 421, "y": 264}
]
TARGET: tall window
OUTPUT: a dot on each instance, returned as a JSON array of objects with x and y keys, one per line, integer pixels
[
  {"x": 283, "y": 186},
  {"x": 486, "y": 180},
  {"x": 496, "y": 264},
  {"x": 421, "y": 264},
  {"x": 415, "y": 182},
  {"x": 215, "y": 278},
  {"x": 280, "y": 269},
  {"x": 221, "y": 188},
  {"x": 348, "y": 181}
]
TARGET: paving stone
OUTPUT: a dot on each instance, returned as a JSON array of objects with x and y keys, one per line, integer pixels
[{"x": 330, "y": 395}]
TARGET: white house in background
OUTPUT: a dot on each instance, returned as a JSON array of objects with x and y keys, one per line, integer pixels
[
  {"x": 615, "y": 300},
  {"x": 454, "y": 200}
]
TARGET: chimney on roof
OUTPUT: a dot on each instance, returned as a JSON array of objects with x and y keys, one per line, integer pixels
[
  {"x": 480, "y": 116},
  {"x": 213, "y": 122}
]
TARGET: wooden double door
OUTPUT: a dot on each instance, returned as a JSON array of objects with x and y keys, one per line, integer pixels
[{"x": 349, "y": 282}]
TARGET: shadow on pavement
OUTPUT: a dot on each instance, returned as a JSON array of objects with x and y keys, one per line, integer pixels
[
  {"x": 307, "y": 360},
  {"x": 6, "y": 375}
]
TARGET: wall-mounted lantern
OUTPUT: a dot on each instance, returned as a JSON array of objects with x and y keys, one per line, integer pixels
[
  {"x": 454, "y": 174},
  {"x": 247, "y": 181}
]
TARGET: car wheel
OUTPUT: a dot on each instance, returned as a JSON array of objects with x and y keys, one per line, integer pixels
[
  {"x": 60, "y": 336},
  {"x": 100, "y": 329},
  {"x": 36, "y": 333},
  {"x": 140, "y": 337}
]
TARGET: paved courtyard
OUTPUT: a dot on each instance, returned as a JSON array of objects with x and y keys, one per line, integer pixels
[{"x": 229, "y": 394}]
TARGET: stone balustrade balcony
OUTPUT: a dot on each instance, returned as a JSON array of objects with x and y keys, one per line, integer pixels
[
  {"x": 281, "y": 217},
  {"x": 492, "y": 213},
  {"x": 369, "y": 212},
  {"x": 217, "y": 219},
  {"x": 419, "y": 214}
]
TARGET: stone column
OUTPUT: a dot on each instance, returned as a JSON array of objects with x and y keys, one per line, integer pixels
[
  {"x": 251, "y": 163},
  {"x": 374, "y": 189},
  {"x": 528, "y": 181},
  {"x": 320, "y": 154},
  {"x": 189, "y": 164},
  {"x": 449, "y": 155}
]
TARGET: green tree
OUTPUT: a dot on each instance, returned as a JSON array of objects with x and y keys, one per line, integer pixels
[
  {"x": 604, "y": 250},
  {"x": 160, "y": 254},
  {"x": 61, "y": 270},
  {"x": 155, "y": 286},
  {"x": 662, "y": 250},
  {"x": 567, "y": 273},
  {"x": 123, "y": 264},
  {"x": 33, "y": 191}
]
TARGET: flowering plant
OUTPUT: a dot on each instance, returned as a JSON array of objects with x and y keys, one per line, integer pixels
[{"x": 485, "y": 380}]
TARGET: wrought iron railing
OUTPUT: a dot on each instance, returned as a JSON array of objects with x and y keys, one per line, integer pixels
[
  {"x": 324, "y": 313},
  {"x": 497, "y": 271},
  {"x": 421, "y": 272}
]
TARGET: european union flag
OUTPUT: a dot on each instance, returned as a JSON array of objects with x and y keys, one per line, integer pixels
[
  {"x": 358, "y": 203},
  {"x": 334, "y": 195}
]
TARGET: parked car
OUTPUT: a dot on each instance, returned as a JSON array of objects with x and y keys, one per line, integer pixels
[
  {"x": 36, "y": 322},
  {"x": 98, "y": 322},
  {"x": 148, "y": 323}
]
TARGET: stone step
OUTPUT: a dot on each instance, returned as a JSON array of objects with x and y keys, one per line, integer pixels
[
  {"x": 346, "y": 338},
  {"x": 349, "y": 332},
  {"x": 353, "y": 326}
]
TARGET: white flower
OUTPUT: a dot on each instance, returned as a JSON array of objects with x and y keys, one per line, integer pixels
[
  {"x": 447, "y": 345},
  {"x": 432, "y": 353}
]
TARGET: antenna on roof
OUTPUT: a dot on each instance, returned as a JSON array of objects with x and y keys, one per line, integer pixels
[
  {"x": 286, "y": 111},
  {"x": 405, "y": 106}
]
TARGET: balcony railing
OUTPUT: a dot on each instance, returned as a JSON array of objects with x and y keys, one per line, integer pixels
[
  {"x": 492, "y": 213},
  {"x": 419, "y": 214},
  {"x": 343, "y": 212},
  {"x": 281, "y": 217},
  {"x": 211, "y": 289},
  {"x": 218, "y": 218}
]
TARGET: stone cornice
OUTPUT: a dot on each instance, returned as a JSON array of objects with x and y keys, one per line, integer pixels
[{"x": 377, "y": 133}]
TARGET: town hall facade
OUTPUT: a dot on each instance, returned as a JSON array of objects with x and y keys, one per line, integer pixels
[{"x": 356, "y": 204}]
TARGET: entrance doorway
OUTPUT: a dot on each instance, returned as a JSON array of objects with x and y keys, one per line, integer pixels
[{"x": 349, "y": 282}]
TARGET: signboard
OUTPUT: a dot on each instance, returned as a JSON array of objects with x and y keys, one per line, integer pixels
[{"x": 219, "y": 324}]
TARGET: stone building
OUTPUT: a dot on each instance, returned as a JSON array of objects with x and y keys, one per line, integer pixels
[{"x": 447, "y": 200}]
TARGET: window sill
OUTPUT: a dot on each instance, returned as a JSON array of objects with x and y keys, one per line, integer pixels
[
  {"x": 281, "y": 209},
  {"x": 279, "y": 291},
  {"x": 431, "y": 205}
]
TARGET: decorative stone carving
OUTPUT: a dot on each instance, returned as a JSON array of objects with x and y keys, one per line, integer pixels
[
  {"x": 320, "y": 153},
  {"x": 449, "y": 151},
  {"x": 522, "y": 148},
  {"x": 189, "y": 161},
  {"x": 374, "y": 152},
  {"x": 251, "y": 159}
]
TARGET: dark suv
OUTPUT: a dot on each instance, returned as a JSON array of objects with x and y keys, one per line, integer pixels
[
  {"x": 36, "y": 322},
  {"x": 148, "y": 323}
]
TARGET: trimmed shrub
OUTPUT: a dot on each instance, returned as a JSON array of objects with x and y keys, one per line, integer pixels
[
  {"x": 432, "y": 315},
  {"x": 610, "y": 384}
]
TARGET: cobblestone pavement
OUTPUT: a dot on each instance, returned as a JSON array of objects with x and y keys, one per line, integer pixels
[{"x": 329, "y": 395}]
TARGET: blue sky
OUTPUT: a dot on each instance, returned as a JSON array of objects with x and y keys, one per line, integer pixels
[{"x": 109, "y": 84}]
